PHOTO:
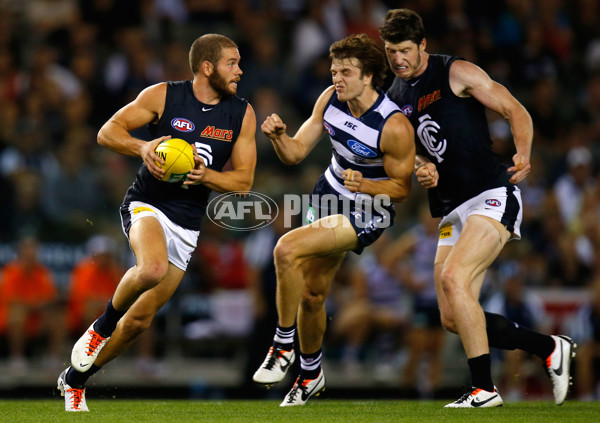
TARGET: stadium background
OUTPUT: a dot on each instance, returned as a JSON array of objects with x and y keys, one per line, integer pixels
[{"x": 67, "y": 65}]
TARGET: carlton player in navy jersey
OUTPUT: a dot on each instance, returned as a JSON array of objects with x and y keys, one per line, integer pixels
[
  {"x": 160, "y": 219},
  {"x": 475, "y": 195},
  {"x": 373, "y": 153}
]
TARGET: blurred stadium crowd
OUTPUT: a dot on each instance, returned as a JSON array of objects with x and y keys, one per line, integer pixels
[{"x": 67, "y": 65}]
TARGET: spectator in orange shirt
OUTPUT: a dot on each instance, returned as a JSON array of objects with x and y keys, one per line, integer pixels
[
  {"x": 93, "y": 282},
  {"x": 29, "y": 308}
]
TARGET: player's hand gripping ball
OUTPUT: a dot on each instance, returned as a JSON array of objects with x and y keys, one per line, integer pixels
[{"x": 178, "y": 156}]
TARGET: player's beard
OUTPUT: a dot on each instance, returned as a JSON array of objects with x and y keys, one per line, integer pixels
[
  {"x": 220, "y": 85},
  {"x": 414, "y": 69}
]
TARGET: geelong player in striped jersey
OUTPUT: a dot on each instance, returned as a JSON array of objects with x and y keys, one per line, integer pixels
[{"x": 373, "y": 158}]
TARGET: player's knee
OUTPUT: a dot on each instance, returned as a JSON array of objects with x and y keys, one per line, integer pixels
[
  {"x": 450, "y": 282},
  {"x": 284, "y": 254},
  {"x": 134, "y": 325},
  {"x": 150, "y": 275},
  {"x": 448, "y": 323},
  {"x": 312, "y": 302}
]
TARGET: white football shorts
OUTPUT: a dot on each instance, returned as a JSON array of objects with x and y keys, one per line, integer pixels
[
  {"x": 181, "y": 242},
  {"x": 502, "y": 204}
]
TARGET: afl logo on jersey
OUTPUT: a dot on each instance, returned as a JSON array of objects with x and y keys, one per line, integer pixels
[
  {"x": 493, "y": 203},
  {"x": 329, "y": 129},
  {"x": 360, "y": 149},
  {"x": 182, "y": 125},
  {"x": 406, "y": 110}
]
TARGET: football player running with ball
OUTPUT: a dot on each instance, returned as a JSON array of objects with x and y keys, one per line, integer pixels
[
  {"x": 475, "y": 195},
  {"x": 373, "y": 153},
  {"x": 161, "y": 219}
]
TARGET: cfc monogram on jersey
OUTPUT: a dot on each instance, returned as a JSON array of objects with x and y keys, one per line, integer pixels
[{"x": 427, "y": 132}]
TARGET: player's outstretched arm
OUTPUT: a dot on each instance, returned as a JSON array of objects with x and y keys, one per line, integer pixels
[
  {"x": 398, "y": 147},
  {"x": 293, "y": 150},
  {"x": 243, "y": 162},
  {"x": 146, "y": 108},
  {"x": 467, "y": 79}
]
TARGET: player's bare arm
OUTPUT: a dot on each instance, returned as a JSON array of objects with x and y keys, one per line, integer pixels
[
  {"x": 293, "y": 150},
  {"x": 243, "y": 162},
  {"x": 426, "y": 172},
  {"x": 467, "y": 79},
  {"x": 398, "y": 147},
  {"x": 146, "y": 108}
]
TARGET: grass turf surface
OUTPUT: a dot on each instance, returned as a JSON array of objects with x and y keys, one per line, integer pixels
[{"x": 348, "y": 411}]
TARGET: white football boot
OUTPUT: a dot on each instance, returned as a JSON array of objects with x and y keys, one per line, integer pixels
[
  {"x": 558, "y": 367},
  {"x": 86, "y": 349},
  {"x": 303, "y": 389},
  {"x": 477, "y": 398},
  {"x": 275, "y": 366},
  {"x": 74, "y": 398}
]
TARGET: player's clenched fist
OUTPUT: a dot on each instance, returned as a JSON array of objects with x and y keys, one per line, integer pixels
[
  {"x": 352, "y": 179},
  {"x": 427, "y": 175},
  {"x": 273, "y": 126}
]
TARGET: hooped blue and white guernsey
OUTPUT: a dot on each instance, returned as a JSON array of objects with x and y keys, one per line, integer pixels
[{"x": 356, "y": 141}]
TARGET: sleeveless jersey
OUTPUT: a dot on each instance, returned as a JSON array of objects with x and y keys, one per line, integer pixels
[
  {"x": 213, "y": 129},
  {"x": 452, "y": 132},
  {"x": 355, "y": 141}
]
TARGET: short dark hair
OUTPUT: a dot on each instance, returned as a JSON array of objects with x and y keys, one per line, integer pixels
[
  {"x": 400, "y": 25},
  {"x": 369, "y": 55},
  {"x": 208, "y": 48}
]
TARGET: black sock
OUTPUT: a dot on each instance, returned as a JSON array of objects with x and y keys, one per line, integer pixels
[
  {"x": 481, "y": 372},
  {"x": 77, "y": 379},
  {"x": 310, "y": 364},
  {"x": 507, "y": 335},
  {"x": 106, "y": 324}
]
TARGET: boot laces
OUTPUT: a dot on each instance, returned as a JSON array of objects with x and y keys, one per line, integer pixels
[
  {"x": 300, "y": 385},
  {"x": 94, "y": 343},
  {"x": 77, "y": 397},
  {"x": 274, "y": 355},
  {"x": 464, "y": 398}
]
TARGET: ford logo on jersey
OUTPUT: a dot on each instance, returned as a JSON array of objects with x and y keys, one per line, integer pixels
[
  {"x": 182, "y": 125},
  {"x": 360, "y": 149}
]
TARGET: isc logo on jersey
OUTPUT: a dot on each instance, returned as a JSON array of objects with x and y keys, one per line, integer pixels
[{"x": 182, "y": 125}]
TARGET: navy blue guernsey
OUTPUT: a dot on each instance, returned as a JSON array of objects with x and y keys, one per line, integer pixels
[
  {"x": 213, "y": 129},
  {"x": 452, "y": 132}
]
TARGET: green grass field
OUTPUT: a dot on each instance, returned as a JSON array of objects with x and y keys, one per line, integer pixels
[{"x": 316, "y": 411}]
